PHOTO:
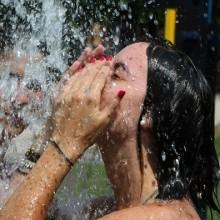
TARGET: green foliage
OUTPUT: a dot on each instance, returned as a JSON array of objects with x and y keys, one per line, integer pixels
[
  {"x": 217, "y": 145},
  {"x": 123, "y": 22},
  {"x": 86, "y": 180},
  {"x": 211, "y": 213},
  {"x": 217, "y": 140},
  {"x": 13, "y": 25},
  {"x": 96, "y": 180}
]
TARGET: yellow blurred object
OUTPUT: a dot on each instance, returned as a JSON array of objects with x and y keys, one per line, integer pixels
[{"x": 170, "y": 25}]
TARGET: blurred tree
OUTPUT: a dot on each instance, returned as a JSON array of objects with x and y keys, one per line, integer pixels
[
  {"x": 115, "y": 23},
  {"x": 13, "y": 25},
  {"x": 10, "y": 23},
  {"x": 120, "y": 21}
]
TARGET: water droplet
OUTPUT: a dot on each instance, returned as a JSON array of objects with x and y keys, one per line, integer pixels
[
  {"x": 6, "y": 186},
  {"x": 150, "y": 2},
  {"x": 114, "y": 84},
  {"x": 116, "y": 40},
  {"x": 213, "y": 48},
  {"x": 163, "y": 156},
  {"x": 176, "y": 162},
  {"x": 151, "y": 16},
  {"x": 199, "y": 195},
  {"x": 156, "y": 22}
]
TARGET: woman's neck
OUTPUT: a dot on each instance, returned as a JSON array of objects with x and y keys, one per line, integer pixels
[
  {"x": 149, "y": 182},
  {"x": 131, "y": 173},
  {"x": 148, "y": 163},
  {"x": 123, "y": 169}
]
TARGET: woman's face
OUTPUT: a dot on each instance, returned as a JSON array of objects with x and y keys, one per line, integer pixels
[{"x": 129, "y": 74}]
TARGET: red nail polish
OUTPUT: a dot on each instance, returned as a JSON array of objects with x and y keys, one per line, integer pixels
[
  {"x": 81, "y": 67},
  {"x": 100, "y": 57},
  {"x": 108, "y": 58},
  {"x": 91, "y": 60},
  {"x": 121, "y": 94}
]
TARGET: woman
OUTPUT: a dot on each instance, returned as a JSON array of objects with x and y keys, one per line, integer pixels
[{"x": 158, "y": 146}]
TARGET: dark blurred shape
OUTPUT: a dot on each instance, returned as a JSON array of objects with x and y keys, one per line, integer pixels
[
  {"x": 42, "y": 47},
  {"x": 195, "y": 2},
  {"x": 54, "y": 74},
  {"x": 197, "y": 34},
  {"x": 34, "y": 85}
]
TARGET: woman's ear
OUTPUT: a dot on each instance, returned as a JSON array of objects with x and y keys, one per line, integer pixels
[{"x": 146, "y": 122}]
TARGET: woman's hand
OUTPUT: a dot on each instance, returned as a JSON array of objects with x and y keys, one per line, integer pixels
[
  {"x": 78, "y": 117},
  {"x": 87, "y": 56}
]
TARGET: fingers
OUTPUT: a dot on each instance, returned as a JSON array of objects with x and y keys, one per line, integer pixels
[
  {"x": 98, "y": 51},
  {"x": 83, "y": 81},
  {"x": 74, "y": 67},
  {"x": 68, "y": 89},
  {"x": 108, "y": 111},
  {"x": 88, "y": 56},
  {"x": 81, "y": 61},
  {"x": 99, "y": 81},
  {"x": 89, "y": 77},
  {"x": 84, "y": 56},
  {"x": 90, "y": 81}
]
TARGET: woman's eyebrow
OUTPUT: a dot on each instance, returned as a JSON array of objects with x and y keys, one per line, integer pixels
[{"x": 118, "y": 64}]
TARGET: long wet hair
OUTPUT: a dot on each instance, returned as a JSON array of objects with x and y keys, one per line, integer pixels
[{"x": 180, "y": 102}]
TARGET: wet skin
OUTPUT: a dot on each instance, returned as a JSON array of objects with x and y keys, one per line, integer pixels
[
  {"x": 134, "y": 180},
  {"x": 73, "y": 136},
  {"x": 119, "y": 145},
  {"x": 51, "y": 168}
]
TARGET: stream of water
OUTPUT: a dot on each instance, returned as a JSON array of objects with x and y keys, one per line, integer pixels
[{"x": 35, "y": 51}]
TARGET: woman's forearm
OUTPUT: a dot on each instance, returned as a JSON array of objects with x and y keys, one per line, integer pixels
[
  {"x": 77, "y": 120},
  {"x": 31, "y": 199}
]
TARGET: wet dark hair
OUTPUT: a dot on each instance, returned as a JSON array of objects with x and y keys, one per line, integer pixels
[{"x": 181, "y": 103}]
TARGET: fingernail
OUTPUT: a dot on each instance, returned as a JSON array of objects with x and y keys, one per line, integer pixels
[
  {"x": 81, "y": 67},
  {"x": 100, "y": 57},
  {"x": 121, "y": 94},
  {"x": 108, "y": 58},
  {"x": 91, "y": 60}
]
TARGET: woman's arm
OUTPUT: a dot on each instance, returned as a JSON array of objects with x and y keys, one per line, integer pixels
[
  {"x": 31, "y": 199},
  {"x": 77, "y": 120}
]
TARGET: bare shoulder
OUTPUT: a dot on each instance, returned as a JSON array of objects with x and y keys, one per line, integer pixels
[{"x": 172, "y": 210}]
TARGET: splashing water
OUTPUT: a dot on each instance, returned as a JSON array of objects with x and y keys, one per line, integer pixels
[
  {"x": 37, "y": 44},
  {"x": 44, "y": 36},
  {"x": 45, "y": 28}
]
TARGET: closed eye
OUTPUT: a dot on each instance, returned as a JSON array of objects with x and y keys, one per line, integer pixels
[
  {"x": 120, "y": 71},
  {"x": 119, "y": 64}
]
